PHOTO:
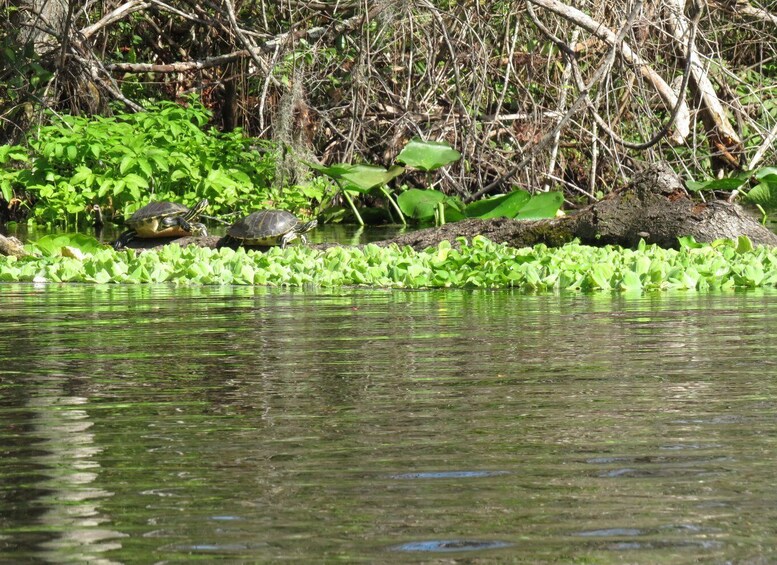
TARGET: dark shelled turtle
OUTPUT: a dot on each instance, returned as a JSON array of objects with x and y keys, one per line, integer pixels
[
  {"x": 163, "y": 219},
  {"x": 267, "y": 228}
]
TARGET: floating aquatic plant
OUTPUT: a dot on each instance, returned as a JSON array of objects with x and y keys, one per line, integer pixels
[{"x": 481, "y": 263}]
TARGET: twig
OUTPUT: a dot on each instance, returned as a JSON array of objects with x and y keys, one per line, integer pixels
[{"x": 576, "y": 105}]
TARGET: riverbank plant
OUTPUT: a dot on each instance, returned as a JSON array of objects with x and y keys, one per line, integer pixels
[
  {"x": 723, "y": 265},
  {"x": 430, "y": 205},
  {"x": 123, "y": 161}
]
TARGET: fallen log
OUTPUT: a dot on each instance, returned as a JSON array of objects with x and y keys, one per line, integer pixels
[{"x": 654, "y": 206}]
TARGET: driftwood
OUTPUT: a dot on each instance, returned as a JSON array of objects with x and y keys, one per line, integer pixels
[{"x": 654, "y": 207}]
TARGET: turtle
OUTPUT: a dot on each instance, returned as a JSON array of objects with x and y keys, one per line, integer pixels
[
  {"x": 163, "y": 219},
  {"x": 268, "y": 228}
]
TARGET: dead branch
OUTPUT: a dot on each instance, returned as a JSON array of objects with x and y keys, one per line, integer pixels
[
  {"x": 682, "y": 123},
  {"x": 113, "y": 16}
]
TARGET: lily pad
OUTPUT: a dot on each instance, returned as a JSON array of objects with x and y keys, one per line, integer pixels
[
  {"x": 420, "y": 204},
  {"x": 363, "y": 178},
  {"x": 427, "y": 155}
]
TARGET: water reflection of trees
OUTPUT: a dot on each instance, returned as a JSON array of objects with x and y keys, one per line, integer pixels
[
  {"x": 49, "y": 465},
  {"x": 274, "y": 400}
]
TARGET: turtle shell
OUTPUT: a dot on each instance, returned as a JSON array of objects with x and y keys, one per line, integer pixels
[
  {"x": 146, "y": 221},
  {"x": 265, "y": 227}
]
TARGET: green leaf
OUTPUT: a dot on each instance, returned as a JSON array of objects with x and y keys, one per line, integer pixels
[
  {"x": 335, "y": 171},
  {"x": 689, "y": 242},
  {"x": 127, "y": 162},
  {"x": 453, "y": 213},
  {"x": 6, "y": 190},
  {"x": 420, "y": 204},
  {"x": 427, "y": 155},
  {"x": 764, "y": 194},
  {"x": 504, "y": 206},
  {"x": 136, "y": 180},
  {"x": 744, "y": 245},
  {"x": 145, "y": 166},
  {"x": 715, "y": 184},
  {"x": 82, "y": 174},
  {"x": 631, "y": 282},
  {"x": 105, "y": 187},
  {"x": 365, "y": 177},
  {"x": 764, "y": 172},
  {"x": 51, "y": 245},
  {"x": 542, "y": 205},
  {"x": 601, "y": 273}
]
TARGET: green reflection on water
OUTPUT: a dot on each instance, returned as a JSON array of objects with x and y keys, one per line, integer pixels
[{"x": 150, "y": 423}]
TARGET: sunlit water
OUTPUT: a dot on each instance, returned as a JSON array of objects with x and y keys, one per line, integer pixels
[{"x": 161, "y": 425}]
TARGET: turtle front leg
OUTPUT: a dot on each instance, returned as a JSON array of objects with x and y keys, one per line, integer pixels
[
  {"x": 198, "y": 229},
  {"x": 286, "y": 238},
  {"x": 124, "y": 239},
  {"x": 178, "y": 221}
]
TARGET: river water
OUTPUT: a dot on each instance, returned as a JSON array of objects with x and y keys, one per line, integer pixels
[{"x": 153, "y": 424}]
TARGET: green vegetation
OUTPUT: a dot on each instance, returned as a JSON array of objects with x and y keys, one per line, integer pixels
[
  {"x": 758, "y": 187},
  {"x": 123, "y": 161},
  {"x": 483, "y": 264},
  {"x": 432, "y": 205}
]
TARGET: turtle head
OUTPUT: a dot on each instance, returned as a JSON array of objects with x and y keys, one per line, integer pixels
[
  {"x": 198, "y": 208},
  {"x": 307, "y": 226}
]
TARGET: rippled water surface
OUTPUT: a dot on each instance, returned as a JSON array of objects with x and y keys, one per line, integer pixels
[{"x": 155, "y": 424}]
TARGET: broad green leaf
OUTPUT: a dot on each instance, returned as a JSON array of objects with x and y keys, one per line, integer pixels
[
  {"x": 127, "y": 162},
  {"x": 601, "y": 273},
  {"x": 453, "y": 213},
  {"x": 427, "y": 155},
  {"x": 145, "y": 166},
  {"x": 764, "y": 193},
  {"x": 366, "y": 177},
  {"x": 509, "y": 206},
  {"x": 542, "y": 205},
  {"x": 631, "y": 282},
  {"x": 6, "y": 190},
  {"x": 51, "y": 245},
  {"x": 135, "y": 180},
  {"x": 715, "y": 184},
  {"x": 764, "y": 172},
  {"x": 420, "y": 204},
  {"x": 105, "y": 187},
  {"x": 689, "y": 242},
  {"x": 335, "y": 171},
  {"x": 82, "y": 174},
  {"x": 479, "y": 207},
  {"x": 241, "y": 177},
  {"x": 744, "y": 245}
]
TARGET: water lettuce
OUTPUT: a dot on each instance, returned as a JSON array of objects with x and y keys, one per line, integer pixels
[{"x": 481, "y": 263}]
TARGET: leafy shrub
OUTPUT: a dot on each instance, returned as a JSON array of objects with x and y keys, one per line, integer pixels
[{"x": 123, "y": 161}]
